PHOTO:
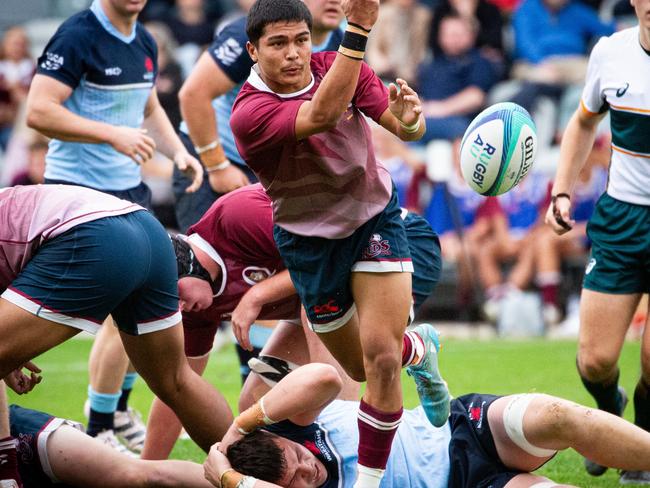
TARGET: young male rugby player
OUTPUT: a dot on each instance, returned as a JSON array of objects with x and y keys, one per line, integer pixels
[
  {"x": 618, "y": 273},
  {"x": 299, "y": 124}
]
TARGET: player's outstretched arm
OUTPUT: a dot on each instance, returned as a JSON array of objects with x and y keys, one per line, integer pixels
[
  {"x": 576, "y": 145},
  {"x": 335, "y": 92}
]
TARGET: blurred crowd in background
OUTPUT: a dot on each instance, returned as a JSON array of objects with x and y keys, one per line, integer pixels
[{"x": 501, "y": 263}]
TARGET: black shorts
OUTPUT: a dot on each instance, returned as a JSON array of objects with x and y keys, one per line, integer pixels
[{"x": 473, "y": 458}]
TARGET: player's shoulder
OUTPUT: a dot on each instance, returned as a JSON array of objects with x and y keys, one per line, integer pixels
[
  {"x": 79, "y": 27},
  {"x": 617, "y": 43},
  {"x": 230, "y": 41}
]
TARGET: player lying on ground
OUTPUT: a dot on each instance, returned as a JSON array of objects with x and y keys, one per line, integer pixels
[
  {"x": 230, "y": 268},
  {"x": 69, "y": 257},
  {"x": 53, "y": 452},
  {"x": 299, "y": 435}
]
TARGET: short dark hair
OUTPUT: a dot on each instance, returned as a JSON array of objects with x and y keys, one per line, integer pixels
[
  {"x": 258, "y": 455},
  {"x": 264, "y": 12}
]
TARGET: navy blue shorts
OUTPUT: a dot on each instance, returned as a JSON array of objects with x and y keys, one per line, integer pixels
[
  {"x": 140, "y": 194},
  {"x": 425, "y": 253},
  {"x": 190, "y": 207},
  {"x": 320, "y": 268},
  {"x": 474, "y": 462},
  {"x": 122, "y": 265},
  {"x": 32, "y": 428}
]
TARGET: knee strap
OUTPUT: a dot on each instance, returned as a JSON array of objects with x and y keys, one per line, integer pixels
[
  {"x": 513, "y": 421},
  {"x": 544, "y": 484}
]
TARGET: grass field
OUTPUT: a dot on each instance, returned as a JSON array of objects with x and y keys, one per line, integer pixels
[{"x": 499, "y": 367}]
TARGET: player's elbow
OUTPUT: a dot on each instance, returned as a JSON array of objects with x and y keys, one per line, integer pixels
[
  {"x": 325, "y": 120},
  {"x": 35, "y": 116}
]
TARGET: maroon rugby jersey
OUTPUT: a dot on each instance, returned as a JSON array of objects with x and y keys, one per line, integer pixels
[{"x": 237, "y": 231}]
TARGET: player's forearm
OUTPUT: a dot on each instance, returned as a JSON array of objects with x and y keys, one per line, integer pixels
[
  {"x": 198, "y": 114},
  {"x": 57, "y": 122},
  {"x": 577, "y": 142},
  {"x": 273, "y": 289},
  {"x": 160, "y": 129}
]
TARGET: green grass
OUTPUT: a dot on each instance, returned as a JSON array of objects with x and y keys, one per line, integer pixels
[{"x": 499, "y": 367}]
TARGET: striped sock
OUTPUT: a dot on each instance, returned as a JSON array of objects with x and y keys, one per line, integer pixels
[
  {"x": 9, "y": 460},
  {"x": 412, "y": 348},
  {"x": 376, "y": 432}
]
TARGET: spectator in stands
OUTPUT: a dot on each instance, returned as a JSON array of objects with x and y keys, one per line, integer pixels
[
  {"x": 35, "y": 171},
  {"x": 189, "y": 23},
  {"x": 489, "y": 38},
  {"x": 551, "y": 40},
  {"x": 399, "y": 39},
  {"x": 170, "y": 76},
  {"x": 16, "y": 72},
  {"x": 512, "y": 242},
  {"x": 453, "y": 86}
]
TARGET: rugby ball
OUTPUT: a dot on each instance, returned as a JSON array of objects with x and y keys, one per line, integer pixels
[{"x": 498, "y": 149}]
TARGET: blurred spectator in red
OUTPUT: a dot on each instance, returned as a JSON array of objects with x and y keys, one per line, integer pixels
[
  {"x": 399, "y": 39},
  {"x": 551, "y": 40},
  {"x": 489, "y": 38},
  {"x": 453, "y": 86},
  {"x": 170, "y": 76},
  {"x": 34, "y": 173},
  {"x": 16, "y": 72}
]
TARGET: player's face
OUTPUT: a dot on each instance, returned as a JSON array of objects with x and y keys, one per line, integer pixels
[
  {"x": 195, "y": 294},
  {"x": 283, "y": 54},
  {"x": 642, "y": 9},
  {"x": 327, "y": 14},
  {"x": 304, "y": 470}
]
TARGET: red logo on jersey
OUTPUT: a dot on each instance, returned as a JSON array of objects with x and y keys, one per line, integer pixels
[
  {"x": 475, "y": 413},
  {"x": 312, "y": 447},
  {"x": 148, "y": 64},
  {"x": 329, "y": 307}
]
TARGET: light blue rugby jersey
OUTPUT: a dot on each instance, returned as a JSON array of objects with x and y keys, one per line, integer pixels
[
  {"x": 112, "y": 76},
  {"x": 419, "y": 455},
  {"x": 228, "y": 51}
]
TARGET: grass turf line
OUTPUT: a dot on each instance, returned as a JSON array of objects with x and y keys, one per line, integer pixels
[{"x": 499, "y": 367}]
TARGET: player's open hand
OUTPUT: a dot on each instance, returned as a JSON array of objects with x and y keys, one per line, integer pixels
[
  {"x": 134, "y": 143},
  {"x": 404, "y": 102},
  {"x": 361, "y": 12},
  {"x": 558, "y": 215},
  {"x": 227, "y": 179},
  {"x": 191, "y": 168},
  {"x": 22, "y": 383},
  {"x": 229, "y": 438},
  {"x": 215, "y": 464}
]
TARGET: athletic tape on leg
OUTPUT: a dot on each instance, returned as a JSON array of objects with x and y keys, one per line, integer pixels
[
  {"x": 513, "y": 421},
  {"x": 544, "y": 484}
]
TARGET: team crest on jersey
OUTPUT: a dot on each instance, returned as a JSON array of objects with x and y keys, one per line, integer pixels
[
  {"x": 24, "y": 448},
  {"x": 377, "y": 246},
  {"x": 52, "y": 62},
  {"x": 254, "y": 274},
  {"x": 148, "y": 66}
]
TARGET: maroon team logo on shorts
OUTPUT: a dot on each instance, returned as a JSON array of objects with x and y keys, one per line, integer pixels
[
  {"x": 327, "y": 308},
  {"x": 376, "y": 247}
]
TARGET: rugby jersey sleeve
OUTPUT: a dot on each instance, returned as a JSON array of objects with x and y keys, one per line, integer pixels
[
  {"x": 371, "y": 95},
  {"x": 228, "y": 51},
  {"x": 593, "y": 100},
  {"x": 64, "y": 57}
]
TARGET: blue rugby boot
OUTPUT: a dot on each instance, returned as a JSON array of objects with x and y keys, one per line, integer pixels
[{"x": 432, "y": 389}]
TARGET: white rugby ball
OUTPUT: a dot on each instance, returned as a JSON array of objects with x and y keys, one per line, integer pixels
[{"x": 498, "y": 149}]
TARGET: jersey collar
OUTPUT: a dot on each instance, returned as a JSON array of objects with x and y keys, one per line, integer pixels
[
  {"x": 103, "y": 19},
  {"x": 256, "y": 80}
]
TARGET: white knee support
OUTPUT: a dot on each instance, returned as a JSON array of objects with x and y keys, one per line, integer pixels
[
  {"x": 544, "y": 484},
  {"x": 513, "y": 421}
]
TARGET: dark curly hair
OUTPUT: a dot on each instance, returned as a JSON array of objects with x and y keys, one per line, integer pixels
[
  {"x": 264, "y": 12},
  {"x": 258, "y": 455}
]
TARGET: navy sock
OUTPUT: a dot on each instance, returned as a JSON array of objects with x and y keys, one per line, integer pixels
[
  {"x": 642, "y": 405},
  {"x": 98, "y": 421},
  {"x": 607, "y": 396}
]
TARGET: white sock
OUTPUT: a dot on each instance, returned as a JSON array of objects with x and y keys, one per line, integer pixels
[{"x": 368, "y": 477}]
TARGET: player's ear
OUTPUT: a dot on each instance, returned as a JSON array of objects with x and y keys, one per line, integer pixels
[{"x": 252, "y": 51}]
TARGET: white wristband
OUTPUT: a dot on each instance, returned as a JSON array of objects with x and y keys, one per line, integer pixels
[
  {"x": 267, "y": 420},
  {"x": 207, "y": 147},
  {"x": 410, "y": 129},
  {"x": 246, "y": 482},
  {"x": 218, "y": 167}
]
